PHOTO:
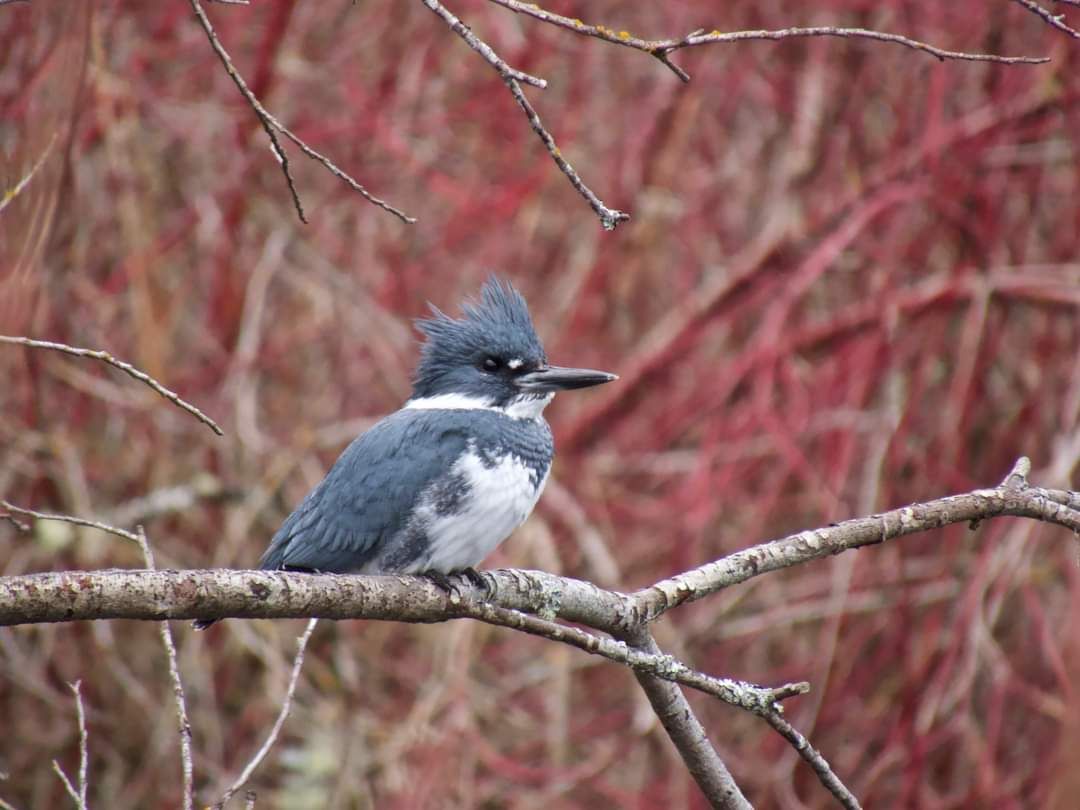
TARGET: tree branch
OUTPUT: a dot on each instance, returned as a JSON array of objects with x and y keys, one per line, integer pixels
[
  {"x": 687, "y": 734},
  {"x": 530, "y": 601}
]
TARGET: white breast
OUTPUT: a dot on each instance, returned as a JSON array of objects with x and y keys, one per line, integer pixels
[{"x": 500, "y": 497}]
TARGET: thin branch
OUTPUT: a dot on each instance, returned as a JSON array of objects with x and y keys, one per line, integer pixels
[
  {"x": 816, "y": 761},
  {"x": 271, "y": 738},
  {"x": 84, "y": 753},
  {"x": 1053, "y": 20},
  {"x": 663, "y": 48},
  {"x": 127, "y": 368},
  {"x": 14, "y": 192},
  {"x": 1009, "y": 498},
  {"x": 752, "y": 698},
  {"x": 70, "y": 788},
  {"x": 92, "y": 524},
  {"x": 480, "y": 46},
  {"x": 10, "y": 518},
  {"x": 609, "y": 218},
  {"x": 273, "y": 126},
  {"x": 186, "y": 766},
  {"x": 79, "y": 796}
]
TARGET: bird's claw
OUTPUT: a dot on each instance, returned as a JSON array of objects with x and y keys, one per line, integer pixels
[
  {"x": 446, "y": 583},
  {"x": 442, "y": 582}
]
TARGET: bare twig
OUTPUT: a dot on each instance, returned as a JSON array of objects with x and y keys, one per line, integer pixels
[
  {"x": 982, "y": 504},
  {"x": 271, "y": 738},
  {"x": 753, "y": 698},
  {"x": 178, "y": 690},
  {"x": 814, "y": 758},
  {"x": 18, "y": 524},
  {"x": 127, "y": 368},
  {"x": 609, "y": 218},
  {"x": 92, "y": 524},
  {"x": 79, "y": 796},
  {"x": 1053, "y": 20},
  {"x": 663, "y": 48},
  {"x": 70, "y": 788},
  {"x": 273, "y": 126},
  {"x": 480, "y": 46}
]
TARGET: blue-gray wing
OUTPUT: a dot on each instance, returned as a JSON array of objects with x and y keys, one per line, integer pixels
[{"x": 366, "y": 499}]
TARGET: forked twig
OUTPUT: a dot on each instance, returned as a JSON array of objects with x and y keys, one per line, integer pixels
[
  {"x": 271, "y": 738},
  {"x": 481, "y": 47},
  {"x": 76, "y": 521},
  {"x": 77, "y": 796},
  {"x": 609, "y": 217},
  {"x": 273, "y": 126}
]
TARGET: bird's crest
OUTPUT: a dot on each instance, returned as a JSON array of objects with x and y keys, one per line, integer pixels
[{"x": 497, "y": 324}]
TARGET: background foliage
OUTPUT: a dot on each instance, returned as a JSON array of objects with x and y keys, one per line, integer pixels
[{"x": 850, "y": 281}]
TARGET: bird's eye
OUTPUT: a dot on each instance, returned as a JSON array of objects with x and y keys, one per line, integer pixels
[{"x": 491, "y": 364}]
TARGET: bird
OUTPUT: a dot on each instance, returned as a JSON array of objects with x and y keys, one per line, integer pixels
[{"x": 439, "y": 484}]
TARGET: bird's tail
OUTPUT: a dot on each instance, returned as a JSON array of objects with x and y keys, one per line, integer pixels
[{"x": 202, "y": 624}]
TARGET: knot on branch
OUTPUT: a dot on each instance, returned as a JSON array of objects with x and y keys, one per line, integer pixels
[{"x": 1017, "y": 479}]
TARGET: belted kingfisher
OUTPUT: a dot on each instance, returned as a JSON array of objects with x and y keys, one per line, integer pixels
[{"x": 436, "y": 486}]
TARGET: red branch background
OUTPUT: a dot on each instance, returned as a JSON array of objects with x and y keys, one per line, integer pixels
[{"x": 850, "y": 281}]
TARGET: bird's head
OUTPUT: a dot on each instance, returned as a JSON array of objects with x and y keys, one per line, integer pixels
[{"x": 491, "y": 358}]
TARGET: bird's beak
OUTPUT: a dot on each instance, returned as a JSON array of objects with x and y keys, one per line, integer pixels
[{"x": 556, "y": 378}]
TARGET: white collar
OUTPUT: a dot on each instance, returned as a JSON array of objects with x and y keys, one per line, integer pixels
[{"x": 521, "y": 408}]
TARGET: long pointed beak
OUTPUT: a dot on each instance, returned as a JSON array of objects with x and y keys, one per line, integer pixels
[{"x": 557, "y": 378}]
